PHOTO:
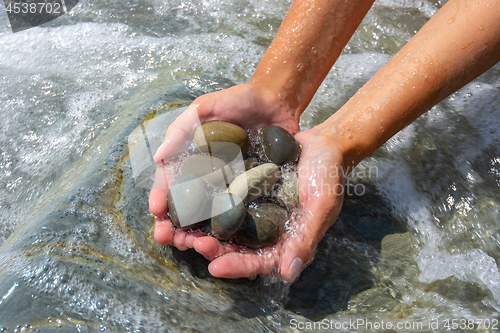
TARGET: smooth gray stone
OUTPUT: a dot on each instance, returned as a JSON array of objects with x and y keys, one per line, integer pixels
[
  {"x": 277, "y": 145},
  {"x": 186, "y": 200},
  {"x": 215, "y": 171},
  {"x": 263, "y": 225},
  {"x": 255, "y": 182},
  {"x": 228, "y": 213},
  {"x": 221, "y": 139}
]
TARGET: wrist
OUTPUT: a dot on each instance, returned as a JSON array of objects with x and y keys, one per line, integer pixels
[
  {"x": 307, "y": 44},
  {"x": 272, "y": 97},
  {"x": 346, "y": 137}
]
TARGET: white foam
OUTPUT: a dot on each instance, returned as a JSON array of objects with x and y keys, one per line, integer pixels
[
  {"x": 348, "y": 74},
  {"x": 472, "y": 266},
  {"x": 398, "y": 185},
  {"x": 429, "y": 8}
]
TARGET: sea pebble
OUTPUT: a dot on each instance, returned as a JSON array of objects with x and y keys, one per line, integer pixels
[
  {"x": 215, "y": 171},
  {"x": 187, "y": 200},
  {"x": 288, "y": 192},
  {"x": 221, "y": 139},
  {"x": 250, "y": 163},
  {"x": 228, "y": 213},
  {"x": 263, "y": 225},
  {"x": 277, "y": 145},
  {"x": 255, "y": 182}
]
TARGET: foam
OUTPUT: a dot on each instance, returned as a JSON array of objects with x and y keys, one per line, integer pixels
[
  {"x": 348, "y": 74},
  {"x": 437, "y": 235}
]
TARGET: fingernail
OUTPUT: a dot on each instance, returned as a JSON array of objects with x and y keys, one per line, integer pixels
[{"x": 295, "y": 269}]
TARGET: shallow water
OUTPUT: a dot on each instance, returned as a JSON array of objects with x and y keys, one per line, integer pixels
[{"x": 75, "y": 232}]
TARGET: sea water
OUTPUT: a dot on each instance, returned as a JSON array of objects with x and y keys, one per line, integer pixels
[{"x": 419, "y": 246}]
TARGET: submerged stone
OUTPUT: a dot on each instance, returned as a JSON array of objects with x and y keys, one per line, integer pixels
[
  {"x": 215, "y": 171},
  {"x": 263, "y": 225},
  {"x": 288, "y": 193},
  {"x": 278, "y": 146},
  {"x": 186, "y": 200},
  {"x": 255, "y": 182},
  {"x": 397, "y": 246},
  {"x": 221, "y": 139},
  {"x": 228, "y": 213}
]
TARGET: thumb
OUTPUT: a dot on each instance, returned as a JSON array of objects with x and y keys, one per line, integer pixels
[
  {"x": 297, "y": 252},
  {"x": 304, "y": 233}
]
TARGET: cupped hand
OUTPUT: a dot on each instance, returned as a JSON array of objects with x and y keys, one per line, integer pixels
[
  {"x": 320, "y": 186},
  {"x": 249, "y": 105}
]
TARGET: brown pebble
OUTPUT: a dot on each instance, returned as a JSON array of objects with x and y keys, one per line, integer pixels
[{"x": 221, "y": 139}]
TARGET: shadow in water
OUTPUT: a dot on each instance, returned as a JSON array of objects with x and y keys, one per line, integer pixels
[
  {"x": 344, "y": 259},
  {"x": 250, "y": 299},
  {"x": 342, "y": 267}
]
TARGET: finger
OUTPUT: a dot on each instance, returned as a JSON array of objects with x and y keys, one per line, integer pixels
[
  {"x": 212, "y": 248},
  {"x": 193, "y": 236},
  {"x": 299, "y": 246},
  {"x": 243, "y": 265},
  {"x": 179, "y": 134},
  {"x": 180, "y": 240},
  {"x": 320, "y": 193},
  {"x": 158, "y": 202},
  {"x": 164, "y": 232},
  {"x": 158, "y": 194},
  {"x": 292, "y": 261}
]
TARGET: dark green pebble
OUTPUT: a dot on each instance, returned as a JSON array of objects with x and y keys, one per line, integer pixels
[
  {"x": 278, "y": 145},
  {"x": 263, "y": 225}
]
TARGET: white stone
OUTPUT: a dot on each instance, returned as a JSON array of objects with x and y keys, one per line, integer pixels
[{"x": 255, "y": 182}]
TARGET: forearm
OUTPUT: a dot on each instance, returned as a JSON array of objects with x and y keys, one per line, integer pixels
[
  {"x": 458, "y": 44},
  {"x": 307, "y": 44}
]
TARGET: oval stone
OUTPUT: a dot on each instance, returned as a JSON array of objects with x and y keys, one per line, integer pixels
[
  {"x": 277, "y": 145},
  {"x": 263, "y": 225},
  {"x": 215, "y": 171},
  {"x": 255, "y": 182},
  {"x": 228, "y": 213},
  {"x": 221, "y": 139},
  {"x": 187, "y": 200}
]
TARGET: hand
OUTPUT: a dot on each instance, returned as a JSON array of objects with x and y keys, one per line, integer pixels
[
  {"x": 248, "y": 105},
  {"x": 321, "y": 193},
  {"x": 320, "y": 178}
]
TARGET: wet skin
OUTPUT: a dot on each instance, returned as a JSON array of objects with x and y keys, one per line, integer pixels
[
  {"x": 458, "y": 44},
  {"x": 233, "y": 261}
]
